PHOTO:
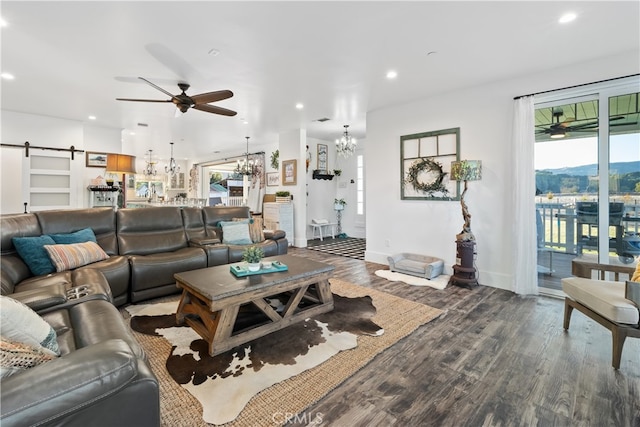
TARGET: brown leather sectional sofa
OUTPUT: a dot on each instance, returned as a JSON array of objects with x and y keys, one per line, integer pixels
[
  {"x": 146, "y": 247},
  {"x": 102, "y": 376}
]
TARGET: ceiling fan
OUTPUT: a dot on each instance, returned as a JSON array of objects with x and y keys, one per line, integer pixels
[
  {"x": 183, "y": 101},
  {"x": 560, "y": 129}
]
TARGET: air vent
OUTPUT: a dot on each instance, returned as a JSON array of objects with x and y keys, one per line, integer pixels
[
  {"x": 324, "y": 119},
  {"x": 144, "y": 125}
]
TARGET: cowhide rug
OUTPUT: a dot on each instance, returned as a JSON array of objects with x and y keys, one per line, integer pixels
[{"x": 224, "y": 384}]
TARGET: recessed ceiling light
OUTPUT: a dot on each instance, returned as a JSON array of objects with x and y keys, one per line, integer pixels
[
  {"x": 299, "y": 106},
  {"x": 92, "y": 117},
  {"x": 7, "y": 76},
  {"x": 392, "y": 74},
  {"x": 567, "y": 17},
  {"x": 132, "y": 133}
]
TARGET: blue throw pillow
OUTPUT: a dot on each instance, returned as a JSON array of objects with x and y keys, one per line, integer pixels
[
  {"x": 80, "y": 236},
  {"x": 33, "y": 253}
]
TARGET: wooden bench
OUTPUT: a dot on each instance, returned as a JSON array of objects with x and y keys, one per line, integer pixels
[{"x": 318, "y": 228}]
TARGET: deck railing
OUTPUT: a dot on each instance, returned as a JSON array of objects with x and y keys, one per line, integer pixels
[{"x": 560, "y": 227}]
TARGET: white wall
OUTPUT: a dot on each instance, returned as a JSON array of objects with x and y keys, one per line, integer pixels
[
  {"x": 352, "y": 226},
  {"x": 102, "y": 140},
  {"x": 320, "y": 192},
  {"x": 484, "y": 115},
  {"x": 292, "y": 146},
  {"x": 51, "y": 132},
  {"x": 40, "y": 131}
]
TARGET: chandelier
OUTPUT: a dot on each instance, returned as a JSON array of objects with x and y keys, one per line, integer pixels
[
  {"x": 173, "y": 167},
  {"x": 346, "y": 145},
  {"x": 150, "y": 169},
  {"x": 245, "y": 167}
]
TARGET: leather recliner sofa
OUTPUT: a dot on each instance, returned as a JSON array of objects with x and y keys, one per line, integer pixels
[
  {"x": 146, "y": 247},
  {"x": 101, "y": 377}
]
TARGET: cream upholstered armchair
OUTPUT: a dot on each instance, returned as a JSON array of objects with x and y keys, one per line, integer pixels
[{"x": 613, "y": 304}]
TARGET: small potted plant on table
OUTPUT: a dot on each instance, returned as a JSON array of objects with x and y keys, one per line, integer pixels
[{"x": 252, "y": 256}]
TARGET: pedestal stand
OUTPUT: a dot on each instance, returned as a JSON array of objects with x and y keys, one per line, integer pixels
[
  {"x": 464, "y": 273},
  {"x": 339, "y": 208}
]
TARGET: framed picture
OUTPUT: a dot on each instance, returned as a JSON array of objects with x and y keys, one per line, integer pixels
[
  {"x": 323, "y": 154},
  {"x": 176, "y": 181},
  {"x": 146, "y": 188},
  {"x": 96, "y": 160},
  {"x": 289, "y": 172},
  {"x": 273, "y": 179}
]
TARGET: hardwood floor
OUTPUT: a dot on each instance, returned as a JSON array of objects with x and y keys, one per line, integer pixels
[{"x": 494, "y": 359}]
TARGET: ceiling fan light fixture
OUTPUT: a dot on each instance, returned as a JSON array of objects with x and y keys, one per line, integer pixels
[{"x": 557, "y": 133}]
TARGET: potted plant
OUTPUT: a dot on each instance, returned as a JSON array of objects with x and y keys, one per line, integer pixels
[
  {"x": 283, "y": 196},
  {"x": 252, "y": 256},
  {"x": 337, "y": 172},
  {"x": 338, "y": 204}
]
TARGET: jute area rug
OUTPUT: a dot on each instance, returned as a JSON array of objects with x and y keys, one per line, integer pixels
[{"x": 398, "y": 317}]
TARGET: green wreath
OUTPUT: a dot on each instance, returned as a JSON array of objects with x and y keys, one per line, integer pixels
[
  {"x": 275, "y": 157},
  {"x": 426, "y": 165}
]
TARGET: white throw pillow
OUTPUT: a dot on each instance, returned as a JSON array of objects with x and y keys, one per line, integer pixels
[{"x": 21, "y": 324}]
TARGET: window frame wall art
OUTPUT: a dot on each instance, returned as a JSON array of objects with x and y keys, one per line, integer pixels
[
  {"x": 289, "y": 172},
  {"x": 425, "y": 165}
]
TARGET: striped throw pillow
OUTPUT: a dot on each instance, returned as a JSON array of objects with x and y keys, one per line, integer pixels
[{"x": 67, "y": 257}]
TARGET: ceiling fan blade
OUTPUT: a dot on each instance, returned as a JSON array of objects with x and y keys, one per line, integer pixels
[
  {"x": 157, "y": 87},
  {"x": 205, "y": 98},
  {"x": 565, "y": 123},
  {"x": 143, "y": 100},
  {"x": 215, "y": 110}
]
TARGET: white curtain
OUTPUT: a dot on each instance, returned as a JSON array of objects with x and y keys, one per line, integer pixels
[{"x": 523, "y": 199}]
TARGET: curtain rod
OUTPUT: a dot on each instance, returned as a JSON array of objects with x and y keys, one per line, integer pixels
[{"x": 575, "y": 86}]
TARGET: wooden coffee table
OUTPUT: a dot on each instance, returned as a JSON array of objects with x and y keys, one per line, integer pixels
[{"x": 212, "y": 297}]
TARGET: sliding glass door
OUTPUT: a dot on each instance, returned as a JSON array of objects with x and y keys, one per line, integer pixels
[{"x": 587, "y": 166}]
